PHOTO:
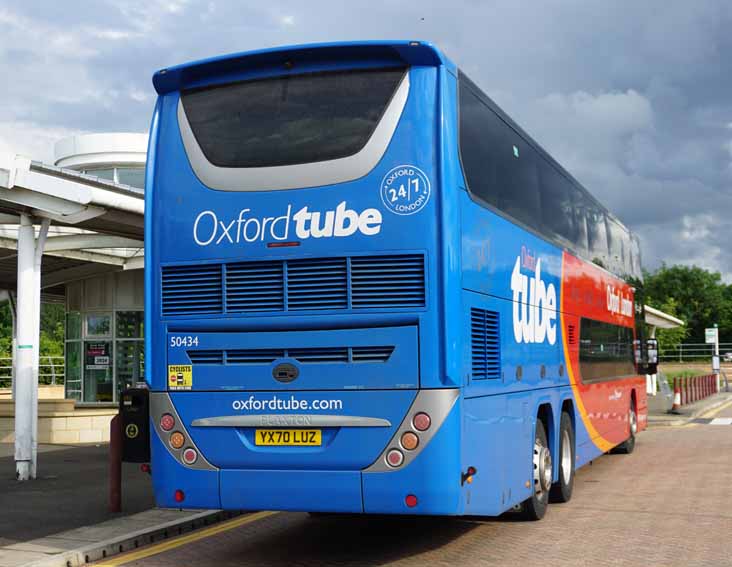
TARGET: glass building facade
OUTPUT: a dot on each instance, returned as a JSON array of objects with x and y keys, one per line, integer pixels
[{"x": 105, "y": 350}]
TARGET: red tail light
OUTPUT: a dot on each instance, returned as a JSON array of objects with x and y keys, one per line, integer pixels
[
  {"x": 421, "y": 421},
  {"x": 167, "y": 422},
  {"x": 190, "y": 456},
  {"x": 410, "y": 500},
  {"x": 179, "y": 496},
  {"x": 394, "y": 458}
]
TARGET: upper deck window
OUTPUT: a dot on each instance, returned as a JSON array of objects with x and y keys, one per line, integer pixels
[
  {"x": 507, "y": 171},
  {"x": 290, "y": 120}
]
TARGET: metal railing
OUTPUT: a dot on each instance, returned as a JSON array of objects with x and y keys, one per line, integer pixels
[
  {"x": 691, "y": 352},
  {"x": 51, "y": 371}
]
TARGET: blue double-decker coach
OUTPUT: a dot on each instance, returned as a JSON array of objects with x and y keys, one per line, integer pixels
[{"x": 369, "y": 291}]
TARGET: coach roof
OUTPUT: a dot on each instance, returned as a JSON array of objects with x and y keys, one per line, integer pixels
[{"x": 387, "y": 52}]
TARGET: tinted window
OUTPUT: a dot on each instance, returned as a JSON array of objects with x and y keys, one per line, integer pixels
[
  {"x": 505, "y": 170},
  {"x": 580, "y": 206},
  {"x": 557, "y": 211},
  {"x": 289, "y": 120},
  {"x": 606, "y": 350},
  {"x": 619, "y": 246},
  {"x": 500, "y": 166},
  {"x": 597, "y": 235}
]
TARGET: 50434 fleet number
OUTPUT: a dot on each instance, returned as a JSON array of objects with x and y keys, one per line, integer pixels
[{"x": 185, "y": 341}]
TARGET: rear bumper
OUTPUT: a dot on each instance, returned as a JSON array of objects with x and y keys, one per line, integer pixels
[
  {"x": 433, "y": 477},
  {"x": 311, "y": 491}
]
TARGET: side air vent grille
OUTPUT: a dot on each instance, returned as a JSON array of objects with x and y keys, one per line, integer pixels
[
  {"x": 387, "y": 281},
  {"x": 571, "y": 335},
  {"x": 313, "y": 355},
  {"x": 320, "y": 284},
  {"x": 485, "y": 344},
  {"x": 192, "y": 290}
]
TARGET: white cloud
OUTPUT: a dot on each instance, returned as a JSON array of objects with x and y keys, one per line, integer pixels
[{"x": 32, "y": 140}]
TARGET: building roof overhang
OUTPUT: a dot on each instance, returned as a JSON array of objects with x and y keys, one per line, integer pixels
[{"x": 97, "y": 226}]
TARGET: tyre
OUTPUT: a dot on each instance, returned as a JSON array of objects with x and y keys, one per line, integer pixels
[
  {"x": 534, "y": 508},
  {"x": 627, "y": 446},
  {"x": 561, "y": 490}
]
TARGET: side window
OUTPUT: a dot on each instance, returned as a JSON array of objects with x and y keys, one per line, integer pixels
[
  {"x": 606, "y": 351},
  {"x": 597, "y": 235},
  {"x": 618, "y": 247},
  {"x": 580, "y": 206},
  {"x": 557, "y": 210},
  {"x": 518, "y": 180},
  {"x": 635, "y": 247},
  {"x": 479, "y": 141},
  {"x": 499, "y": 165}
]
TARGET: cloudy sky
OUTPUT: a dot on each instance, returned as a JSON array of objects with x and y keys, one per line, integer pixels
[{"x": 633, "y": 97}]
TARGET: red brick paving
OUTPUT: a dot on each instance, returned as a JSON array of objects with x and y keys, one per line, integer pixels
[{"x": 667, "y": 504}]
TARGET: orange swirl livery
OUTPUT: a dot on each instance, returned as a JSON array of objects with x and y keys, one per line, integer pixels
[{"x": 600, "y": 298}]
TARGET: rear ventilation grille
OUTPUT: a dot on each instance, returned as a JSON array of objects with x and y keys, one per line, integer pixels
[
  {"x": 313, "y": 355},
  {"x": 317, "y": 284},
  {"x": 571, "y": 335},
  {"x": 357, "y": 282},
  {"x": 255, "y": 286},
  {"x": 206, "y": 356},
  {"x": 485, "y": 344},
  {"x": 387, "y": 281},
  {"x": 192, "y": 290},
  {"x": 371, "y": 354}
]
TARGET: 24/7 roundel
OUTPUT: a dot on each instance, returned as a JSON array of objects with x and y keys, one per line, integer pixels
[{"x": 405, "y": 190}]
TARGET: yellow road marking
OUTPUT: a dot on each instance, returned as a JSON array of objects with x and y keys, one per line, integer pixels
[
  {"x": 183, "y": 540},
  {"x": 716, "y": 410}
]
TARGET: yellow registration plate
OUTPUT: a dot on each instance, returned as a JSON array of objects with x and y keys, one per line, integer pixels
[{"x": 288, "y": 437}]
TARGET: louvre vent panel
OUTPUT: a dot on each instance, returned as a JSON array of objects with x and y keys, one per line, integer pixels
[
  {"x": 317, "y": 284},
  {"x": 571, "y": 336},
  {"x": 485, "y": 344},
  {"x": 371, "y": 354},
  {"x": 253, "y": 356},
  {"x": 311, "y": 355},
  {"x": 206, "y": 356},
  {"x": 387, "y": 281},
  {"x": 319, "y": 355},
  {"x": 359, "y": 282},
  {"x": 255, "y": 286},
  {"x": 191, "y": 290}
]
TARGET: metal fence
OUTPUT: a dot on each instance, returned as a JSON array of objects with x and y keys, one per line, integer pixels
[
  {"x": 691, "y": 352},
  {"x": 51, "y": 371}
]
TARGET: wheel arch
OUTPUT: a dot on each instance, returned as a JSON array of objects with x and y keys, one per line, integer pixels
[{"x": 545, "y": 414}]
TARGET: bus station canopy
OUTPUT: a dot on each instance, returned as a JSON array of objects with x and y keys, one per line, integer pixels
[
  {"x": 95, "y": 225},
  {"x": 660, "y": 320}
]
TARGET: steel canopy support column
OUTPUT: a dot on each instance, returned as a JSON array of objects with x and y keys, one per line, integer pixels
[
  {"x": 26, "y": 351},
  {"x": 37, "y": 260}
]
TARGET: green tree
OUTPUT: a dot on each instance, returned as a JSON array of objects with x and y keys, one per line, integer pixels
[
  {"x": 52, "y": 330},
  {"x": 669, "y": 339},
  {"x": 700, "y": 298}
]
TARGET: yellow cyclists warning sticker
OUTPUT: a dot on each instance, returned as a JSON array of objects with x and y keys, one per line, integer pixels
[{"x": 180, "y": 376}]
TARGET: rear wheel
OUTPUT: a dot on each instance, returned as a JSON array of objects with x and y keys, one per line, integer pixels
[
  {"x": 561, "y": 490},
  {"x": 627, "y": 446},
  {"x": 534, "y": 508}
]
